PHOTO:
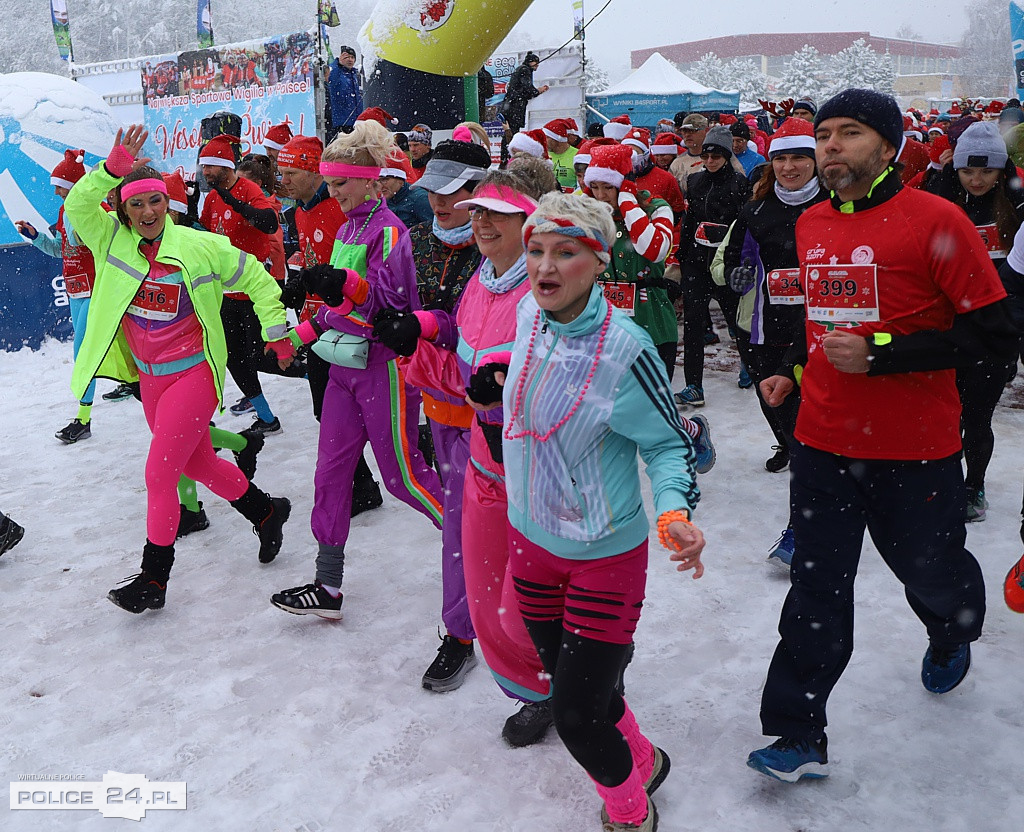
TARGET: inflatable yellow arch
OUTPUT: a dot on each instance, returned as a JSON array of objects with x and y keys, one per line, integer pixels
[{"x": 426, "y": 55}]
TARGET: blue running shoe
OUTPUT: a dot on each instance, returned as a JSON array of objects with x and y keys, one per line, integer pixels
[
  {"x": 703, "y": 447},
  {"x": 691, "y": 395},
  {"x": 745, "y": 382},
  {"x": 789, "y": 759},
  {"x": 241, "y": 407},
  {"x": 782, "y": 549},
  {"x": 943, "y": 668}
]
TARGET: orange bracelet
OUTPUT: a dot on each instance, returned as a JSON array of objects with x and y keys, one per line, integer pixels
[{"x": 665, "y": 520}]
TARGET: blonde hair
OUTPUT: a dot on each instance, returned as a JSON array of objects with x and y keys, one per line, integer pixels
[
  {"x": 536, "y": 170},
  {"x": 480, "y": 136},
  {"x": 369, "y": 144}
]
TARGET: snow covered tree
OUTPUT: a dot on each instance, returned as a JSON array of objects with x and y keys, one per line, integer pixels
[
  {"x": 710, "y": 71},
  {"x": 986, "y": 55},
  {"x": 595, "y": 77},
  {"x": 806, "y": 74},
  {"x": 742, "y": 74},
  {"x": 860, "y": 66}
]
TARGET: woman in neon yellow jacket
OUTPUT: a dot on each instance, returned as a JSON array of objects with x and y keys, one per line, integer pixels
[{"x": 157, "y": 304}]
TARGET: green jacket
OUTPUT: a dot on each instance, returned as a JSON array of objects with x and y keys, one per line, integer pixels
[{"x": 209, "y": 264}]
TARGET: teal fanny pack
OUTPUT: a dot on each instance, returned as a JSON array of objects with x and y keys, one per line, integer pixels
[{"x": 343, "y": 349}]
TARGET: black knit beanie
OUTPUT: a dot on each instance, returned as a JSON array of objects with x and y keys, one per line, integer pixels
[{"x": 876, "y": 110}]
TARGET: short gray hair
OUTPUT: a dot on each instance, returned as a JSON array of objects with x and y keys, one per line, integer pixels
[{"x": 581, "y": 217}]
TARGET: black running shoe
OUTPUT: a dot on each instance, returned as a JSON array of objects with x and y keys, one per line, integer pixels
[
  {"x": 311, "y": 599},
  {"x": 529, "y": 725},
  {"x": 259, "y": 426},
  {"x": 366, "y": 498},
  {"x": 779, "y": 462},
  {"x": 10, "y": 534},
  {"x": 140, "y": 594},
  {"x": 191, "y": 521},
  {"x": 120, "y": 393},
  {"x": 241, "y": 407},
  {"x": 74, "y": 432},
  {"x": 448, "y": 671},
  {"x": 271, "y": 530},
  {"x": 246, "y": 458}
]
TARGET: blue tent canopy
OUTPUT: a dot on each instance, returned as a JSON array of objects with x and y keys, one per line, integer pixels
[{"x": 658, "y": 90}]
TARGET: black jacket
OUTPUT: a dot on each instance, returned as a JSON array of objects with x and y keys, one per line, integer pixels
[{"x": 715, "y": 198}]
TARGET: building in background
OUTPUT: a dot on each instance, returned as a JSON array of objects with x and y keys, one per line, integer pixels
[{"x": 923, "y": 70}]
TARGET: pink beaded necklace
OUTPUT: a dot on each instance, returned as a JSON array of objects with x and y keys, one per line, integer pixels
[{"x": 517, "y": 407}]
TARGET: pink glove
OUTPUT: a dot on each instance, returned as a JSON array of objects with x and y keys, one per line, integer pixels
[
  {"x": 119, "y": 162},
  {"x": 283, "y": 348}
]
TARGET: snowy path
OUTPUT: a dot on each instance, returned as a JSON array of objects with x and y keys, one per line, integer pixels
[{"x": 281, "y": 723}]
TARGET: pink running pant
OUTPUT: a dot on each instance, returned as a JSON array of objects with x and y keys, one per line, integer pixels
[
  {"x": 178, "y": 409},
  {"x": 504, "y": 642}
]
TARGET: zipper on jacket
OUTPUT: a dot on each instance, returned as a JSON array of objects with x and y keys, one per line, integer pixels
[{"x": 206, "y": 353}]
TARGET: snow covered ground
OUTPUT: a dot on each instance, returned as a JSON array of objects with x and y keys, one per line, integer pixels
[{"x": 281, "y": 723}]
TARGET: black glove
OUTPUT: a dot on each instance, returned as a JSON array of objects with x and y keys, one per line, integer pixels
[
  {"x": 326, "y": 281},
  {"x": 398, "y": 331},
  {"x": 293, "y": 294},
  {"x": 741, "y": 279},
  {"x": 483, "y": 387},
  {"x": 672, "y": 289}
]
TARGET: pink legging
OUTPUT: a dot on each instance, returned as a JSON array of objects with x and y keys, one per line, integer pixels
[{"x": 178, "y": 409}]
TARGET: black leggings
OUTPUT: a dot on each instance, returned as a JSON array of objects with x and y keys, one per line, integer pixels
[
  {"x": 763, "y": 361},
  {"x": 698, "y": 289},
  {"x": 980, "y": 388},
  {"x": 244, "y": 339},
  {"x": 668, "y": 355},
  {"x": 584, "y": 702}
]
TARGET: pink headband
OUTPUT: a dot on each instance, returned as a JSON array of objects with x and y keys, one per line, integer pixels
[
  {"x": 141, "y": 186},
  {"x": 343, "y": 171},
  {"x": 500, "y": 198}
]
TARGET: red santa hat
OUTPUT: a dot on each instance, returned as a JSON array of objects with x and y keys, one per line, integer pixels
[
  {"x": 531, "y": 142},
  {"x": 666, "y": 144},
  {"x": 994, "y": 108},
  {"x": 936, "y": 128},
  {"x": 795, "y": 136},
  {"x": 618, "y": 127},
  {"x": 910, "y": 128},
  {"x": 573, "y": 127},
  {"x": 69, "y": 170},
  {"x": 726, "y": 119},
  {"x": 938, "y": 146},
  {"x": 640, "y": 138},
  {"x": 557, "y": 129},
  {"x": 219, "y": 151},
  {"x": 177, "y": 193},
  {"x": 382, "y": 117},
  {"x": 609, "y": 164},
  {"x": 398, "y": 165},
  {"x": 665, "y": 125},
  {"x": 583, "y": 152},
  {"x": 277, "y": 136},
  {"x": 954, "y": 109},
  {"x": 301, "y": 153}
]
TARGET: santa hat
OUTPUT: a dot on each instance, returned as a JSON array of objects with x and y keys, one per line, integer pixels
[
  {"x": 177, "y": 193},
  {"x": 531, "y": 142},
  {"x": 939, "y": 145},
  {"x": 557, "y": 129},
  {"x": 277, "y": 136},
  {"x": 910, "y": 128},
  {"x": 301, "y": 153},
  {"x": 69, "y": 170},
  {"x": 666, "y": 144},
  {"x": 382, "y": 117},
  {"x": 219, "y": 151},
  {"x": 584, "y": 151},
  {"x": 727, "y": 119},
  {"x": 573, "y": 127},
  {"x": 398, "y": 165},
  {"x": 935, "y": 128},
  {"x": 954, "y": 109},
  {"x": 618, "y": 127},
  {"x": 994, "y": 108},
  {"x": 665, "y": 125},
  {"x": 795, "y": 137},
  {"x": 640, "y": 138},
  {"x": 609, "y": 164}
]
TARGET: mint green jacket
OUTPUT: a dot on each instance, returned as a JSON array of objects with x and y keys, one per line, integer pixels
[{"x": 209, "y": 264}]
